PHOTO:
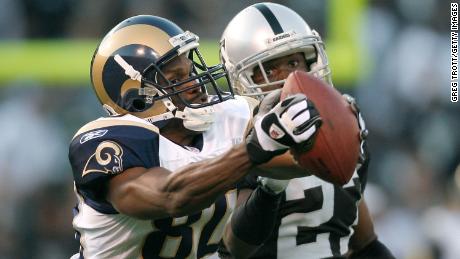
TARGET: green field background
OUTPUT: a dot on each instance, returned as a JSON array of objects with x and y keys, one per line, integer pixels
[{"x": 65, "y": 63}]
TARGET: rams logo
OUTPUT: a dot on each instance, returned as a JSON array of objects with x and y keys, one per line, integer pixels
[{"x": 107, "y": 159}]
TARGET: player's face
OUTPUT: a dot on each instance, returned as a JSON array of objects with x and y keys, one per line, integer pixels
[
  {"x": 279, "y": 69},
  {"x": 180, "y": 69}
]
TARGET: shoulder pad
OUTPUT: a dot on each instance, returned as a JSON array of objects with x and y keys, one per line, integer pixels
[
  {"x": 91, "y": 128},
  {"x": 109, "y": 146}
]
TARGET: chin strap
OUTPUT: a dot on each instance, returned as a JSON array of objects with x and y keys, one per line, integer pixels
[
  {"x": 196, "y": 119},
  {"x": 199, "y": 119}
]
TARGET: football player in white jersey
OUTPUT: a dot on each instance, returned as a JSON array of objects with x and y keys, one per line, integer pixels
[
  {"x": 156, "y": 178},
  {"x": 260, "y": 47}
]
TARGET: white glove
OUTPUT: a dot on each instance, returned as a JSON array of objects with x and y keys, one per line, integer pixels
[{"x": 293, "y": 121}]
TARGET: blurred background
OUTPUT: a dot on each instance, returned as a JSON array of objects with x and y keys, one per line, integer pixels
[{"x": 392, "y": 55}]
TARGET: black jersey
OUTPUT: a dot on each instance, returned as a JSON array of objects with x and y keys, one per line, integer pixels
[{"x": 315, "y": 220}]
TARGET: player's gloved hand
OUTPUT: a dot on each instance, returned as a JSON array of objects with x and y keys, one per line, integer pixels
[
  {"x": 363, "y": 132},
  {"x": 272, "y": 186},
  {"x": 277, "y": 127}
]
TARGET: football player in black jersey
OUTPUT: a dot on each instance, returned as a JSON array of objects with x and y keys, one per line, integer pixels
[
  {"x": 156, "y": 178},
  {"x": 260, "y": 47}
]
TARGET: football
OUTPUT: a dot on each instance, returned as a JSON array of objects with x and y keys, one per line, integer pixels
[{"x": 335, "y": 152}]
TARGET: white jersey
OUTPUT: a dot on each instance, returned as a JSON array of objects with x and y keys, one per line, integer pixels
[{"x": 109, "y": 146}]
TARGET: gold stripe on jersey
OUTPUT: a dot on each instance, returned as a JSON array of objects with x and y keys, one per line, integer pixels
[{"x": 103, "y": 123}]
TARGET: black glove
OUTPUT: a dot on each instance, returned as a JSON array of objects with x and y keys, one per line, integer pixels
[{"x": 293, "y": 121}]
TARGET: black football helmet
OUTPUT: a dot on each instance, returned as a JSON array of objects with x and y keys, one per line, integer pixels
[{"x": 126, "y": 69}]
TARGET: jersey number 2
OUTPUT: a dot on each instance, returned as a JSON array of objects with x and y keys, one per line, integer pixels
[{"x": 324, "y": 215}]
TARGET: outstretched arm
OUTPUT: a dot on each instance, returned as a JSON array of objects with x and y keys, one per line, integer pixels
[
  {"x": 284, "y": 163},
  {"x": 158, "y": 192}
]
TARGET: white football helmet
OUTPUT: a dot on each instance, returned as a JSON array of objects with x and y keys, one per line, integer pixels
[{"x": 262, "y": 32}]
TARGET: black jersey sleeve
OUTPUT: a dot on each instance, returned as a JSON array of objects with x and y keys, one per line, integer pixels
[
  {"x": 362, "y": 171},
  {"x": 248, "y": 182},
  {"x": 98, "y": 154}
]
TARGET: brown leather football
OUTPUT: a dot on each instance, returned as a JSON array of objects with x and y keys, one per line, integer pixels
[{"x": 335, "y": 152}]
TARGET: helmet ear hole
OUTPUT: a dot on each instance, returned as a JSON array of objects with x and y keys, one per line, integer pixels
[
  {"x": 139, "y": 104},
  {"x": 133, "y": 102}
]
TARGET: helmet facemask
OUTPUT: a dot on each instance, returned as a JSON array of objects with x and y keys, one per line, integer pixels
[
  {"x": 310, "y": 46},
  {"x": 155, "y": 85}
]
